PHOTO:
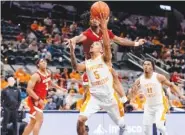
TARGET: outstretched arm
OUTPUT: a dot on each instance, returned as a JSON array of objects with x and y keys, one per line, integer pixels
[
  {"x": 79, "y": 67},
  {"x": 126, "y": 42},
  {"x": 76, "y": 39},
  {"x": 173, "y": 87},
  {"x": 106, "y": 40}
]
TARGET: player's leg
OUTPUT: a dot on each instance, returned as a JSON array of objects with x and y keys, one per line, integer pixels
[
  {"x": 89, "y": 107},
  {"x": 31, "y": 124},
  {"x": 116, "y": 112},
  {"x": 39, "y": 120},
  {"x": 148, "y": 120},
  {"x": 161, "y": 118},
  {"x": 29, "y": 127}
]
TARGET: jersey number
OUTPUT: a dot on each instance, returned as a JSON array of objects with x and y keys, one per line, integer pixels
[
  {"x": 149, "y": 90},
  {"x": 97, "y": 76}
]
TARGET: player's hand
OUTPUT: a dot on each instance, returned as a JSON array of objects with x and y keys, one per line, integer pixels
[
  {"x": 182, "y": 97},
  {"x": 142, "y": 41},
  {"x": 103, "y": 21},
  {"x": 67, "y": 42},
  {"x": 40, "y": 102}
]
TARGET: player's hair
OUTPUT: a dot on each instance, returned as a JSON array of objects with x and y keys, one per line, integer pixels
[
  {"x": 38, "y": 61},
  {"x": 153, "y": 63}
]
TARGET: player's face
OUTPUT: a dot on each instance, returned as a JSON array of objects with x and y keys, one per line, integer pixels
[
  {"x": 96, "y": 47},
  {"x": 147, "y": 67},
  {"x": 94, "y": 22},
  {"x": 43, "y": 64}
]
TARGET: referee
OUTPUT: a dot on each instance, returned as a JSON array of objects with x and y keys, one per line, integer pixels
[{"x": 10, "y": 100}]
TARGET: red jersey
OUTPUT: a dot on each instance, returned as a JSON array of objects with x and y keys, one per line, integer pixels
[
  {"x": 41, "y": 87},
  {"x": 92, "y": 37}
]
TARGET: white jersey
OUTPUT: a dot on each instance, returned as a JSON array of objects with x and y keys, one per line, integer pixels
[
  {"x": 152, "y": 90},
  {"x": 100, "y": 77}
]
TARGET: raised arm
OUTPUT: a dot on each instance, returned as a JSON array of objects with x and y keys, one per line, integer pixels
[
  {"x": 172, "y": 86},
  {"x": 76, "y": 66},
  {"x": 106, "y": 40},
  {"x": 76, "y": 39}
]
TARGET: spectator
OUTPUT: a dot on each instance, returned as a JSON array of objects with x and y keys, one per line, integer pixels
[
  {"x": 75, "y": 75},
  {"x": 21, "y": 76},
  {"x": 49, "y": 40},
  {"x": 50, "y": 104},
  {"x": 20, "y": 37},
  {"x": 23, "y": 45},
  {"x": 55, "y": 30},
  {"x": 33, "y": 46},
  {"x": 65, "y": 76},
  {"x": 46, "y": 54},
  {"x": 57, "y": 39},
  {"x": 175, "y": 77},
  {"x": 31, "y": 36},
  {"x": 57, "y": 75},
  {"x": 47, "y": 21},
  {"x": 34, "y": 26},
  {"x": 156, "y": 41},
  {"x": 4, "y": 83},
  {"x": 70, "y": 99}
]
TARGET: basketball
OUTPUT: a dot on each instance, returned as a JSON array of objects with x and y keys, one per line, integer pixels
[{"x": 99, "y": 7}]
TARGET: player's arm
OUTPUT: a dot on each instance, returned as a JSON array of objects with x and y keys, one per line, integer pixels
[
  {"x": 106, "y": 40},
  {"x": 76, "y": 66},
  {"x": 31, "y": 84},
  {"x": 57, "y": 87},
  {"x": 118, "y": 87},
  {"x": 76, "y": 39},
  {"x": 164, "y": 81},
  {"x": 126, "y": 42}
]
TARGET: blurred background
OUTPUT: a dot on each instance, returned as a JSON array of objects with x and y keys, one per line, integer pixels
[{"x": 32, "y": 30}]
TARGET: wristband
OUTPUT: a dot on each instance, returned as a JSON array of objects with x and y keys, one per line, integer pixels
[
  {"x": 136, "y": 44},
  {"x": 124, "y": 99}
]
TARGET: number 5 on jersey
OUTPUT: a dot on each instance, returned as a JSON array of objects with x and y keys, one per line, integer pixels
[{"x": 96, "y": 74}]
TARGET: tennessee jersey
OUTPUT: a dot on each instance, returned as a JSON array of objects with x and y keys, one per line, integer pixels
[
  {"x": 152, "y": 90},
  {"x": 100, "y": 77}
]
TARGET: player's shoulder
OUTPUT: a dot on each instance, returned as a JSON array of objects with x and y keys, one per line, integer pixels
[
  {"x": 160, "y": 77},
  {"x": 87, "y": 31},
  {"x": 35, "y": 76}
]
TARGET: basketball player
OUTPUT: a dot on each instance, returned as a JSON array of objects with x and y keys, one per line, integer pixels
[
  {"x": 94, "y": 34},
  {"x": 37, "y": 91},
  {"x": 155, "y": 108},
  {"x": 102, "y": 94}
]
